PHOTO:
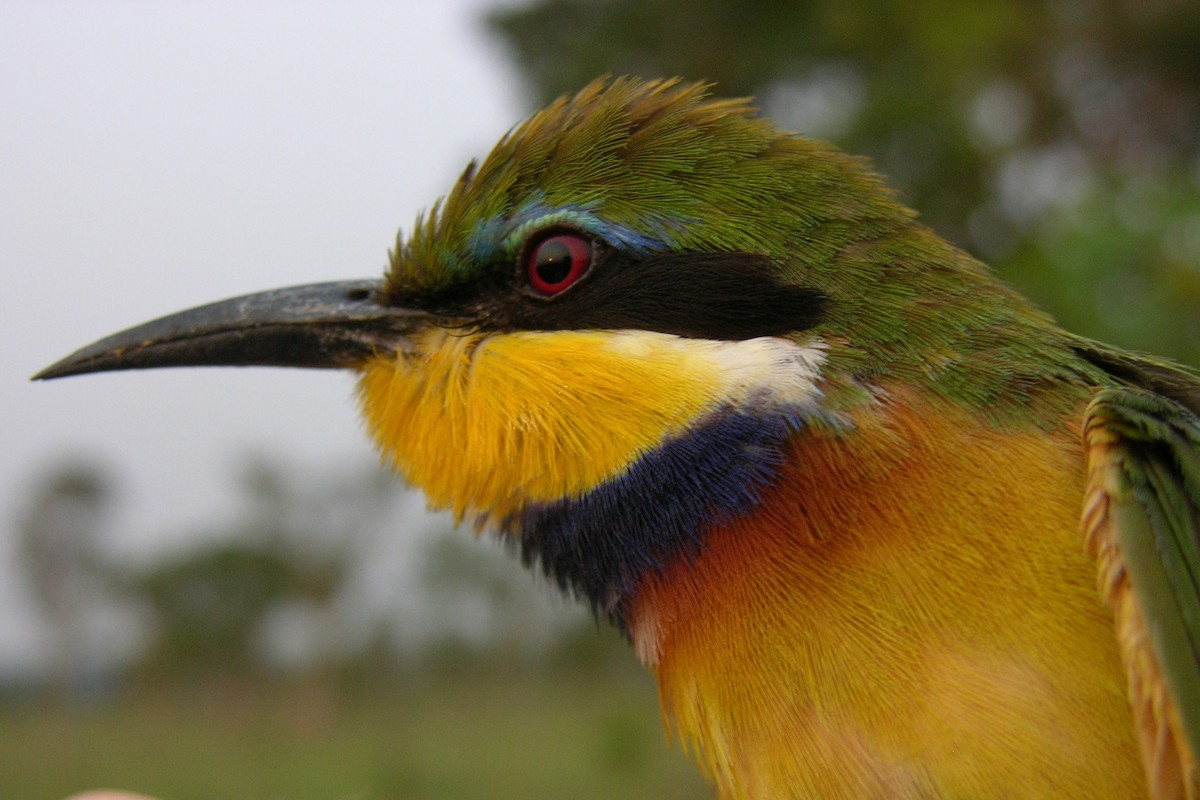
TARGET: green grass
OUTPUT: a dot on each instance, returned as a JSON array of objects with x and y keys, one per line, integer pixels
[{"x": 500, "y": 734}]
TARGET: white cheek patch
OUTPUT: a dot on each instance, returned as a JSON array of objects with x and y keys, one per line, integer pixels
[{"x": 773, "y": 372}]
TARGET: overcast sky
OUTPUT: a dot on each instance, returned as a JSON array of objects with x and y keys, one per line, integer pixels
[{"x": 154, "y": 156}]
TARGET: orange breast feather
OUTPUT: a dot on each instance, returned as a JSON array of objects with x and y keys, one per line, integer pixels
[{"x": 911, "y": 613}]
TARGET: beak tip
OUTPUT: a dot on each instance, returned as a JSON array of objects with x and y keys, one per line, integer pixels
[
  {"x": 49, "y": 373},
  {"x": 81, "y": 361},
  {"x": 54, "y": 371}
]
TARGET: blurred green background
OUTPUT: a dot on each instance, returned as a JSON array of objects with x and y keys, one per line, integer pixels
[{"x": 1057, "y": 140}]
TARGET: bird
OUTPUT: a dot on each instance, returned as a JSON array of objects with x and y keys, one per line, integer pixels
[{"x": 879, "y": 527}]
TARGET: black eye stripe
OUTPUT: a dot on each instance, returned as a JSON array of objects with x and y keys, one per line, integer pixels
[
  {"x": 727, "y": 296},
  {"x": 722, "y": 296}
]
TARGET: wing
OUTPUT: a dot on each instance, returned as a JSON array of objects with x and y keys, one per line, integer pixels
[{"x": 1141, "y": 520}]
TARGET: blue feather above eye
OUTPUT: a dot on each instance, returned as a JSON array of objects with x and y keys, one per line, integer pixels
[{"x": 502, "y": 237}]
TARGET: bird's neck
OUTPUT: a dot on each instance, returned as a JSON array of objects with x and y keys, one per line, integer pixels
[
  {"x": 908, "y": 613},
  {"x": 604, "y": 454}
]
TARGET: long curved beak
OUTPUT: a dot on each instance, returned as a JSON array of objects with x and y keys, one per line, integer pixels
[{"x": 322, "y": 325}]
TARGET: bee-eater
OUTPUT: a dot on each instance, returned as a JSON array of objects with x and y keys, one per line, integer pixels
[{"x": 879, "y": 527}]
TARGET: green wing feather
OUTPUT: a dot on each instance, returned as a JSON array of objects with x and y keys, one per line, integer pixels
[{"x": 1155, "y": 512}]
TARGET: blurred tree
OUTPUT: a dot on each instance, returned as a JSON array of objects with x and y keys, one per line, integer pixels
[
  {"x": 59, "y": 553},
  {"x": 292, "y": 548},
  {"x": 208, "y": 608},
  {"x": 481, "y": 599},
  {"x": 1057, "y": 139}
]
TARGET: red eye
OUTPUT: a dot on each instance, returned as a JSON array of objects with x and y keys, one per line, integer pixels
[{"x": 558, "y": 261}]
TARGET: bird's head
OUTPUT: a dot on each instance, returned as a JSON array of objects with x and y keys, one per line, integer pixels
[{"x": 639, "y": 287}]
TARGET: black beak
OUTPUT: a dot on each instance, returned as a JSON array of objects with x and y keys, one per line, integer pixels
[{"x": 322, "y": 325}]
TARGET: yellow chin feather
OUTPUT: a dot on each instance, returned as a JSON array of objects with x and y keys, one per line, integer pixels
[{"x": 486, "y": 423}]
